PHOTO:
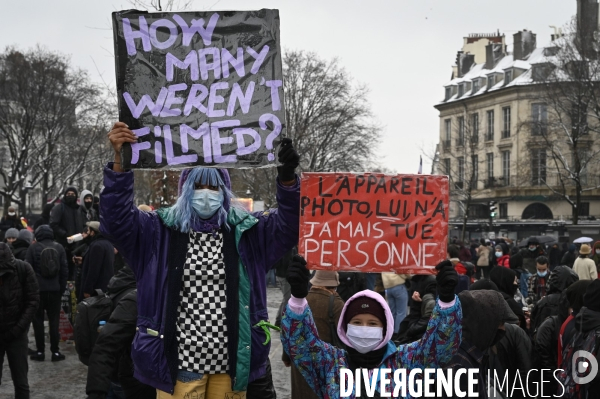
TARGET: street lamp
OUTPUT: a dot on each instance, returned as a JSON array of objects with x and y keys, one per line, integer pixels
[{"x": 248, "y": 193}]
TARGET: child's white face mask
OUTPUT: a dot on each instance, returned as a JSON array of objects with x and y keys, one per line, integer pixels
[{"x": 364, "y": 338}]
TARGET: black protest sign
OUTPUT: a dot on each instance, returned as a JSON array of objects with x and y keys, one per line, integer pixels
[{"x": 200, "y": 88}]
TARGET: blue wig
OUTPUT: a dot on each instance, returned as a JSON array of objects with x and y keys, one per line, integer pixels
[{"x": 182, "y": 213}]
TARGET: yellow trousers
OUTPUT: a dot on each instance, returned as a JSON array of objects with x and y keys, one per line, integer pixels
[{"x": 213, "y": 386}]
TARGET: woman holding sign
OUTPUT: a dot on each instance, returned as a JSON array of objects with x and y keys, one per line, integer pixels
[
  {"x": 366, "y": 326},
  {"x": 200, "y": 267}
]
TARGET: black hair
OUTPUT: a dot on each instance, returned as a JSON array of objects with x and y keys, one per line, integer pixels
[
  {"x": 541, "y": 260},
  {"x": 453, "y": 251}
]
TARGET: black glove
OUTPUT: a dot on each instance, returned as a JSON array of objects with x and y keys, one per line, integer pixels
[
  {"x": 298, "y": 276},
  {"x": 289, "y": 160},
  {"x": 446, "y": 279}
]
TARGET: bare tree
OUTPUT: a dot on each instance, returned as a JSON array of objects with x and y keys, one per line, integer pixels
[
  {"x": 459, "y": 160},
  {"x": 566, "y": 116},
  {"x": 158, "y": 5},
  {"x": 328, "y": 118},
  {"x": 51, "y": 119}
]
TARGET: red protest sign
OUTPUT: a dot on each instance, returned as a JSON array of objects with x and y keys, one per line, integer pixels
[{"x": 371, "y": 222}]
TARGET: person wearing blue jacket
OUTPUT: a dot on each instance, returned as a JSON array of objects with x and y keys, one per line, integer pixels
[
  {"x": 200, "y": 265},
  {"x": 365, "y": 327}
]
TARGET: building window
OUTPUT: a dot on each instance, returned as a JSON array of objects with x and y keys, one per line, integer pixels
[
  {"x": 490, "y": 126},
  {"x": 503, "y": 210},
  {"x": 490, "y": 81},
  {"x": 489, "y": 160},
  {"x": 461, "y": 89},
  {"x": 508, "y": 76},
  {"x": 475, "y": 128},
  {"x": 538, "y": 166},
  {"x": 506, "y": 122},
  {"x": 475, "y": 86},
  {"x": 448, "y": 93},
  {"x": 461, "y": 131},
  {"x": 475, "y": 166},
  {"x": 447, "y": 166},
  {"x": 539, "y": 119},
  {"x": 448, "y": 131},
  {"x": 584, "y": 209},
  {"x": 461, "y": 169},
  {"x": 506, "y": 167}
]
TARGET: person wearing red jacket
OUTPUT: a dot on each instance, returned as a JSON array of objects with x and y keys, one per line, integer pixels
[{"x": 502, "y": 255}]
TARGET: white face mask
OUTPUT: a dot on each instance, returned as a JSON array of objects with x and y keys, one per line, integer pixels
[
  {"x": 12, "y": 213},
  {"x": 363, "y": 338}
]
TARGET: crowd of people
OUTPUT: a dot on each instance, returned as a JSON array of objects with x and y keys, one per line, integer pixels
[{"x": 188, "y": 315}]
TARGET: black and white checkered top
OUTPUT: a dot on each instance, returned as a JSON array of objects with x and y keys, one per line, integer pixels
[{"x": 201, "y": 325}]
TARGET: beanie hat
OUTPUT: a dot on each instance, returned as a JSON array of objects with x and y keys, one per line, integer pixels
[
  {"x": 364, "y": 304},
  {"x": 26, "y": 236},
  {"x": 591, "y": 299},
  {"x": 11, "y": 233}
]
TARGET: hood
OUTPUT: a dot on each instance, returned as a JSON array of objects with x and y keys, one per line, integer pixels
[
  {"x": 46, "y": 211},
  {"x": 575, "y": 294},
  {"x": 483, "y": 284},
  {"x": 481, "y": 316},
  {"x": 7, "y": 259},
  {"x": 504, "y": 279},
  {"x": 516, "y": 261},
  {"x": 572, "y": 248},
  {"x": 504, "y": 247},
  {"x": 122, "y": 281},
  {"x": 84, "y": 194},
  {"x": 561, "y": 278},
  {"x": 428, "y": 286},
  {"x": 70, "y": 188},
  {"x": 596, "y": 246},
  {"x": 587, "y": 320},
  {"x": 389, "y": 331},
  {"x": 44, "y": 232}
]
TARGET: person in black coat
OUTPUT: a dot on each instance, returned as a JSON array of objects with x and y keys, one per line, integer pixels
[
  {"x": 110, "y": 360},
  {"x": 20, "y": 246},
  {"x": 66, "y": 220},
  {"x": 19, "y": 299},
  {"x": 507, "y": 282},
  {"x": 51, "y": 290},
  {"x": 98, "y": 263},
  {"x": 560, "y": 279}
]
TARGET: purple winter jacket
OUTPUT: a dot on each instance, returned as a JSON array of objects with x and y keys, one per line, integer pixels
[{"x": 156, "y": 253}]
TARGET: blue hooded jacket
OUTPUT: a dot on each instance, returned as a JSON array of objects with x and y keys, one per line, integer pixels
[{"x": 156, "y": 252}]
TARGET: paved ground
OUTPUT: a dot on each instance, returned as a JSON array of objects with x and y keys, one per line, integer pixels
[{"x": 66, "y": 379}]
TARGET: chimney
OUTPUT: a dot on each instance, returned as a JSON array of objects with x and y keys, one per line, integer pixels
[
  {"x": 524, "y": 44},
  {"x": 493, "y": 53},
  {"x": 464, "y": 62}
]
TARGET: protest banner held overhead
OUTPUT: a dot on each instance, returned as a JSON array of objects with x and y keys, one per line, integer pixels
[
  {"x": 371, "y": 222},
  {"x": 200, "y": 88}
]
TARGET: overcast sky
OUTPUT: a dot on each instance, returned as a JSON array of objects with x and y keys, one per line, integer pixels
[{"x": 402, "y": 49}]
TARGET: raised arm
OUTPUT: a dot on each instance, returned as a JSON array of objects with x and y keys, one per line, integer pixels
[
  {"x": 444, "y": 332},
  {"x": 134, "y": 233},
  {"x": 277, "y": 229},
  {"x": 318, "y": 362}
]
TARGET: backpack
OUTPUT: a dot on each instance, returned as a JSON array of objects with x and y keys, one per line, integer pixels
[
  {"x": 588, "y": 342},
  {"x": 49, "y": 261},
  {"x": 90, "y": 312}
]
